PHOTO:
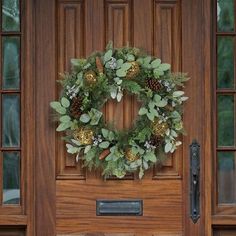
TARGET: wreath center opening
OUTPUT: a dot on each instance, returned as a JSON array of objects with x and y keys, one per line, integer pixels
[{"x": 121, "y": 115}]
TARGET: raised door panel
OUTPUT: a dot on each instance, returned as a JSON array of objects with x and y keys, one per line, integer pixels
[{"x": 137, "y": 23}]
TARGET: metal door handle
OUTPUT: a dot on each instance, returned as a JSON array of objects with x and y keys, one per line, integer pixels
[{"x": 194, "y": 181}]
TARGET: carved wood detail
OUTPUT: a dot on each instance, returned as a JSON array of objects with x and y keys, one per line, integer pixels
[{"x": 70, "y": 45}]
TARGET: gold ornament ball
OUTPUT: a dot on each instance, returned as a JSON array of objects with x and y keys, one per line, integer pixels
[
  {"x": 130, "y": 156},
  {"x": 133, "y": 71},
  {"x": 84, "y": 136},
  {"x": 90, "y": 77},
  {"x": 159, "y": 129}
]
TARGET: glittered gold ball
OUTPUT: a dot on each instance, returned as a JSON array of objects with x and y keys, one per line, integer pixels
[
  {"x": 130, "y": 156},
  {"x": 84, "y": 136},
  {"x": 133, "y": 71},
  {"x": 90, "y": 77},
  {"x": 159, "y": 128}
]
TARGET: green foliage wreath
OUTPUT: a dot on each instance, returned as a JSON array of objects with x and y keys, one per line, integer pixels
[{"x": 106, "y": 75}]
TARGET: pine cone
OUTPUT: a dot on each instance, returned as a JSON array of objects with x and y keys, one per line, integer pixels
[
  {"x": 156, "y": 141},
  {"x": 75, "y": 108},
  {"x": 99, "y": 65},
  {"x": 153, "y": 84}
]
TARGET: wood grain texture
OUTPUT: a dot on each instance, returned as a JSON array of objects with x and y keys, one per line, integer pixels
[
  {"x": 70, "y": 45},
  {"x": 76, "y": 206},
  {"x": 77, "y": 28},
  {"x": 76, "y": 198},
  {"x": 45, "y": 76},
  {"x": 192, "y": 51},
  {"x": 207, "y": 132},
  {"x": 118, "y": 28}
]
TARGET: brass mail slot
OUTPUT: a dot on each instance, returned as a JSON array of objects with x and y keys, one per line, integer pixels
[{"x": 119, "y": 207}]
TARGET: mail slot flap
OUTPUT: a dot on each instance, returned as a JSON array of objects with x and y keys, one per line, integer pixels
[{"x": 119, "y": 207}]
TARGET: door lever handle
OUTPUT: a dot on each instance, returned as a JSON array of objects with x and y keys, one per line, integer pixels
[{"x": 194, "y": 181}]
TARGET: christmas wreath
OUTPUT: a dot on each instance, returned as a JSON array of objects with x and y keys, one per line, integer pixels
[{"x": 107, "y": 75}]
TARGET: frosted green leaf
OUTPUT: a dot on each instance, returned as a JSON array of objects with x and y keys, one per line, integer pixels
[
  {"x": 130, "y": 57},
  {"x": 65, "y": 102},
  {"x": 55, "y": 105},
  {"x": 121, "y": 73},
  {"x": 71, "y": 149},
  {"x": 61, "y": 110},
  {"x": 104, "y": 144},
  {"x": 147, "y": 60},
  {"x": 126, "y": 66},
  {"x": 156, "y": 63},
  {"x": 108, "y": 55},
  {"x": 142, "y": 111},
  {"x": 119, "y": 63},
  {"x": 65, "y": 119},
  {"x": 150, "y": 156},
  {"x": 87, "y": 148},
  {"x": 178, "y": 93},
  {"x": 105, "y": 132},
  {"x": 168, "y": 147},
  {"x": 119, "y": 96},
  {"x": 150, "y": 116},
  {"x": 63, "y": 126},
  {"x": 84, "y": 118},
  {"x": 157, "y": 72},
  {"x": 75, "y": 62},
  {"x": 141, "y": 173},
  {"x": 164, "y": 67}
]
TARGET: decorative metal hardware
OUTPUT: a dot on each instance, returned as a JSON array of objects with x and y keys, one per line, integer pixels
[
  {"x": 119, "y": 207},
  {"x": 194, "y": 181}
]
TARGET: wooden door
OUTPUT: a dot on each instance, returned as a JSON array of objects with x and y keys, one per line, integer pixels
[{"x": 66, "y": 193}]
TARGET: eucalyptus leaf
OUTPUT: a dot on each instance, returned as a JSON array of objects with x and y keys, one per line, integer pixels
[
  {"x": 121, "y": 72},
  {"x": 150, "y": 156},
  {"x": 125, "y": 66},
  {"x": 75, "y": 142},
  {"x": 65, "y": 119},
  {"x": 105, "y": 133},
  {"x": 63, "y": 126},
  {"x": 65, "y": 102},
  {"x": 71, "y": 149},
  {"x": 142, "y": 111},
  {"x": 147, "y": 60},
  {"x": 119, "y": 63},
  {"x": 111, "y": 136},
  {"x": 104, "y": 144},
  {"x": 86, "y": 66},
  {"x": 164, "y": 67},
  {"x": 168, "y": 147},
  {"x": 87, "y": 148},
  {"x": 178, "y": 93},
  {"x": 85, "y": 118},
  {"x": 156, "y": 63},
  {"x": 61, "y": 110},
  {"x": 162, "y": 103},
  {"x": 154, "y": 112},
  {"x": 95, "y": 116},
  {"x": 141, "y": 173},
  {"x": 119, "y": 96},
  {"x": 130, "y": 57},
  {"x": 108, "y": 55},
  {"x": 157, "y": 72},
  {"x": 150, "y": 116},
  {"x": 55, "y": 105}
]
